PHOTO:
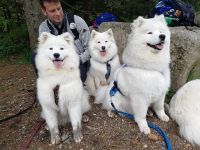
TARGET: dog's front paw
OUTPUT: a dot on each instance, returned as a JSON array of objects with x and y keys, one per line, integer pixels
[
  {"x": 77, "y": 135},
  {"x": 55, "y": 139},
  {"x": 143, "y": 127},
  {"x": 145, "y": 130},
  {"x": 164, "y": 118}
]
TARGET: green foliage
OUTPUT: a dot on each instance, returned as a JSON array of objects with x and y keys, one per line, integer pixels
[
  {"x": 3, "y": 24},
  {"x": 195, "y": 3},
  {"x": 169, "y": 95},
  {"x": 14, "y": 42},
  {"x": 125, "y": 10},
  {"x": 14, "y": 35}
]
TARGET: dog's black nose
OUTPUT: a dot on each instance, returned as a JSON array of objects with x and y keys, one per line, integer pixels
[
  {"x": 103, "y": 47},
  {"x": 162, "y": 37},
  {"x": 56, "y": 55}
]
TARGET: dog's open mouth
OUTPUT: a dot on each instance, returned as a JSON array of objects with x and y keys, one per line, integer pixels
[
  {"x": 103, "y": 53},
  {"x": 58, "y": 63},
  {"x": 158, "y": 46}
]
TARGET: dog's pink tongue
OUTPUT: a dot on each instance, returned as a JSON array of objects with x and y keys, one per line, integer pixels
[
  {"x": 58, "y": 63},
  {"x": 102, "y": 53},
  {"x": 159, "y": 46}
]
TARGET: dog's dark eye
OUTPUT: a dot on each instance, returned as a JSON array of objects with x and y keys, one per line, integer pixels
[
  {"x": 51, "y": 48},
  {"x": 98, "y": 42},
  {"x": 61, "y": 48},
  {"x": 149, "y": 33},
  {"x": 106, "y": 41}
]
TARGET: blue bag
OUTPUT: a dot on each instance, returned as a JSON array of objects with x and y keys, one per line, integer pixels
[{"x": 105, "y": 17}]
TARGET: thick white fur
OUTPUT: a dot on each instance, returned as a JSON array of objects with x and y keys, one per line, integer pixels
[
  {"x": 185, "y": 110},
  {"x": 146, "y": 79},
  {"x": 73, "y": 99},
  {"x": 98, "y": 69}
]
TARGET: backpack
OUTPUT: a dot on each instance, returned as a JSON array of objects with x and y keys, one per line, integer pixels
[
  {"x": 176, "y": 12},
  {"x": 72, "y": 25}
]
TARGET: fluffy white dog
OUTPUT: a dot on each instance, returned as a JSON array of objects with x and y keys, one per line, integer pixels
[
  {"x": 104, "y": 60},
  {"x": 145, "y": 79},
  {"x": 185, "y": 110},
  {"x": 58, "y": 65}
]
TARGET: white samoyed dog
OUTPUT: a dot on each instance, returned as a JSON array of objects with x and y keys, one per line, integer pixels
[
  {"x": 104, "y": 60},
  {"x": 145, "y": 79},
  {"x": 185, "y": 110},
  {"x": 58, "y": 65}
]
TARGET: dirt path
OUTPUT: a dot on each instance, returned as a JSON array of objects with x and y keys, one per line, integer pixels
[{"x": 17, "y": 92}]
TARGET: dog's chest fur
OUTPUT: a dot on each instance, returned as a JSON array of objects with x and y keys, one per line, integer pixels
[{"x": 99, "y": 69}]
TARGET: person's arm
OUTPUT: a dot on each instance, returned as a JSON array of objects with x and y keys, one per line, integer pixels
[
  {"x": 43, "y": 27},
  {"x": 84, "y": 35}
]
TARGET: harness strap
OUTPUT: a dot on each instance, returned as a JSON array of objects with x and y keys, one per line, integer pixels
[
  {"x": 50, "y": 27},
  {"x": 151, "y": 125},
  {"x": 108, "y": 67},
  {"x": 72, "y": 25},
  {"x": 115, "y": 89}
]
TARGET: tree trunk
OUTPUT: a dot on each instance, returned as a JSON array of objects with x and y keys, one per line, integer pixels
[{"x": 34, "y": 17}]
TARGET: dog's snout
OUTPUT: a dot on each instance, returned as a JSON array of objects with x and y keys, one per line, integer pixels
[
  {"x": 56, "y": 55},
  {"x": 162, "y": 37},
  {"x": 103, "y": 47}
]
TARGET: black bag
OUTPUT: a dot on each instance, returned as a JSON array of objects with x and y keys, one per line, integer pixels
[
  {"x": 178, "y": 12},
  {"x": 187, "y": 13}
]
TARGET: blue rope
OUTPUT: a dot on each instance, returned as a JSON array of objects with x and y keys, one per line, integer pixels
[{"x": 151, "y": 125}]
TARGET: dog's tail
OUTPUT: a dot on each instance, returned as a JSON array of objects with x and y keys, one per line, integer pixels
[
  {"x": 190, "y": 129},
  {"x": 85, "y": 105}
]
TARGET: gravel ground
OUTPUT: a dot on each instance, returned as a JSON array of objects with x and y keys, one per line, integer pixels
[{"x": 17, "y": 92}]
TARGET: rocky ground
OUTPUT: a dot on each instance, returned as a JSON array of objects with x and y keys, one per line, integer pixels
[{"x": 17, "y": 92}]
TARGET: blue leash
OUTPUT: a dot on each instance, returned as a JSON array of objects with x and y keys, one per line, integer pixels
[{"x": 130, "y": 116}]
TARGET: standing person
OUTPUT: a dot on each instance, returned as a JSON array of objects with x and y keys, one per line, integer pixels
[{"x": 58, "y": 22}]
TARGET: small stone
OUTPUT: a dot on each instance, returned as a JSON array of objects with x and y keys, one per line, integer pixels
[
  {"x": 145, "y": 146},
  {"x": 85, "y": 118},
  {"x": 187, "y": 145},
  {"x": 23, "y": 130},
  {"x": 60, "y": 146},
  {"x": 153, "y": 137}
]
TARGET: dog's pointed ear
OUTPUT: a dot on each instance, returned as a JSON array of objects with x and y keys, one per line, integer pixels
[
  {"x": 160, "y": 18},
  {"x": 43, "y": 37},
  {"x": 68, "y": 37},
  {"x": 137, "y": 22},
  {"x": 93, "y": 34},
  {"x": 110, "y": 32}
]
